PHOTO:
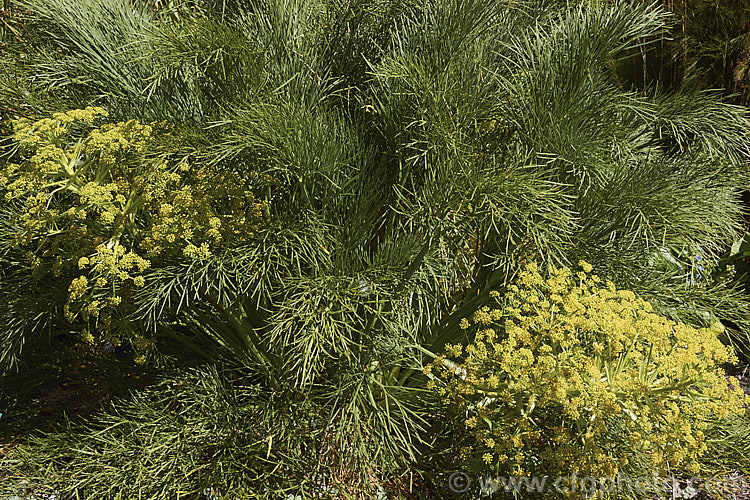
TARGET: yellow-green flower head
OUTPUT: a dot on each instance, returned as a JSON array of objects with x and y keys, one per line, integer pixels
[
  {"x": 565, "y": 377},
  {"x": 104, "y": 190}
]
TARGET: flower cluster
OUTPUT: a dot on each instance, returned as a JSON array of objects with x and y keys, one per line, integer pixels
[
  {"x": 570, "y": 373},
  {"x": 198, "y": 210},
  {"x": 94, "y": 207}
]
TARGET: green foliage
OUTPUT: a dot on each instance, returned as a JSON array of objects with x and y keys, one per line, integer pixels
[
  {"x": 405, "y": 159},
  {"x": 708, "y": 42},
  {"x": 189, "y": 432}
]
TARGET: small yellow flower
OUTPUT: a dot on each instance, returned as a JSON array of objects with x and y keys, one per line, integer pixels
[
  {"x": 78, "y": 288},
  {"x": 453, "y": 350}
]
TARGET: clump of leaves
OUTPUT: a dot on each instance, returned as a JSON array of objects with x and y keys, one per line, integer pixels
[{"x": 195, "y": 430}]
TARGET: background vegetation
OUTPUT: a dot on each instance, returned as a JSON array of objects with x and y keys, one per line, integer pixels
[{"x": 272, "y": 215}]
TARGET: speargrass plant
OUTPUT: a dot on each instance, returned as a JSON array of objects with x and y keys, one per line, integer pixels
[{"x": 407, "y": 159}]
